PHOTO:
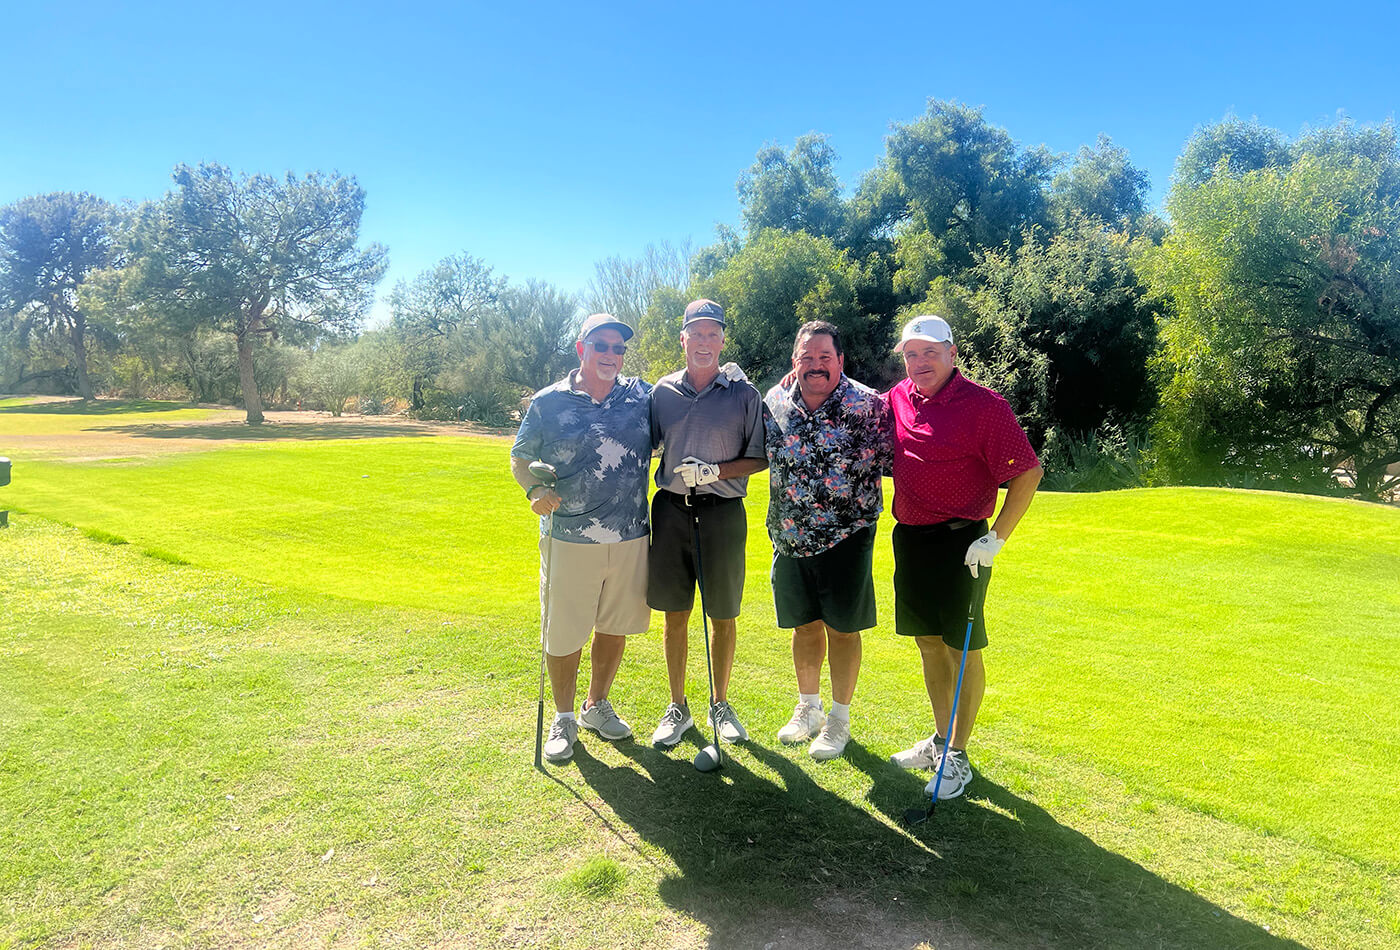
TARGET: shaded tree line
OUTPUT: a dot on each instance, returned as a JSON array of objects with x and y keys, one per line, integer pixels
[{"x": 1249, "y": 336}]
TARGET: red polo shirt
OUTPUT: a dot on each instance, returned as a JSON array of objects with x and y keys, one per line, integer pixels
[{"x": 952, "y": 450}]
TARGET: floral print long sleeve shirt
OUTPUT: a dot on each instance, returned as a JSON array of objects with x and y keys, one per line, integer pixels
[{"x": 825, "y": 465}]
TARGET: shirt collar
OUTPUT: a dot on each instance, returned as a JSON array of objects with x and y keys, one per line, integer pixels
[{"x": 794, "y": 396}]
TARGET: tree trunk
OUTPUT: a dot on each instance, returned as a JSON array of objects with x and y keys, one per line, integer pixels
[
  {"x": 252, "y": 401},
  {"x": 78, "y": 332}
]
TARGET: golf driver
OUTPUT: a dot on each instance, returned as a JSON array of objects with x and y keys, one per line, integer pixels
[
  {"x": 709, "y": 758},
  {"x": 917, "y": 816},
  {"x": 546, "y": 475}
]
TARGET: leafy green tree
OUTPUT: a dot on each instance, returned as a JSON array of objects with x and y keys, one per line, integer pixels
[
  {"x": 1281, "y": 359},
  {"x": 1101, "y": 183},
  {"x": 658, "y": 339},
  {"x": 1232, "y": 143},
  {"x": 794, "y": 191},
  {"x": 963, "y": 181},
  {"x": 254, "y": 257},
  {"x": 1064, "y": 329},
  {"x": 778, "y": 281},
  {"x": 434, "y": 313},
  {"x": 332, "y": 375},
  {"x": 49, "y": 245},
  {"x": 625, "y": 287},
  {"x": 531, "y": 341}
]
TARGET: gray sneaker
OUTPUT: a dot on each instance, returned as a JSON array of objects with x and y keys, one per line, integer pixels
[
  {"x": 730, "y": 728},
  {"x": 957, "y": 772},
  {"x": 924, "y": 755},
  {"x": 832, "y": 740},
  {"x": 601, "y": 718},
  {"x": 806, "y": 722},
  {"x": 674, "y": 722},
  {"x": 563, "y": 733}
]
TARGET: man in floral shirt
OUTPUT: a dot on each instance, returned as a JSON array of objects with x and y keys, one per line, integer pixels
[{"x": 828, "y": 443}]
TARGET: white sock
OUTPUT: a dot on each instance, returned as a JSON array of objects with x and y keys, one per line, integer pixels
[
  {"x": 840, "y": 711},
  {"x": 814, "y": 698},
  {"x": 558, "y": 716}
]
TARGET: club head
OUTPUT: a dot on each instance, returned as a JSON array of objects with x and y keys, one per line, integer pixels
[
  {"x": 708, "y": 759},
  {"x": 544, "y": 472},
  {"x": 917, "y": 816}
]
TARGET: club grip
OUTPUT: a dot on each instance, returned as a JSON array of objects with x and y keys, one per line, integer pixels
[{"x": 979, "y": 592}]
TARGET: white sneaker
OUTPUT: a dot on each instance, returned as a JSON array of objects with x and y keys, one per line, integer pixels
[
  {"x": 601, "y": 718},
  {"x": 674, "y": 722},
  {"x": 923, "y": 755},
  {"x": 957, "y": 772},
  {"x": 730, "y": 728},
  {"x": 807, "y": 720},
  {"x": 832, "y": 741},
  {"x": 563, "y": 733}
]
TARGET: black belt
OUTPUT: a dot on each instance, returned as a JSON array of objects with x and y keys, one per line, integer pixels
[
  {"x": 952, "y": 524},
  {"x": 702, "y": 499}
]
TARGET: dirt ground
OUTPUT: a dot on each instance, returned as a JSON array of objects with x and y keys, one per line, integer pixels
[{"x": 224, "y": 426}]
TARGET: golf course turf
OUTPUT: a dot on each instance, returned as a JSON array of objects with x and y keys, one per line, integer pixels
[{"x": 318, "y": 729}]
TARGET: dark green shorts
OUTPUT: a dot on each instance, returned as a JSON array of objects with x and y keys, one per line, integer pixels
[
  {"x": 932, "y": 585},
  {"x": 834, "y": 585}
]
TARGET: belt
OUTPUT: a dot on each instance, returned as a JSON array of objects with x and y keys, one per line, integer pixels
[
  {"x": 952, "y": 524},
  {"x": 702, "y": 499}
]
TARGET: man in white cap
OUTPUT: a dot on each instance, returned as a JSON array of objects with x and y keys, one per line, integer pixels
[
  {"x": 594, "y": 427},
  {"x": 955, "y": 443}
]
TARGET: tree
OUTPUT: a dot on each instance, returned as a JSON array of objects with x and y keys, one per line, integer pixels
[
  {"x": 1281, "y": 359},
  {"x": 435, "y": 309},
  {"x": 961, "y": 180},
  {"x": 532, "y": 339},
  {"x": 625, "y": 287},
  {"x": 49, "y": 244},
  {"x": 1102, "y": 183},
  {"x": 796, "y": 191},
  {"x": 255, "y": 256},
  {"x": 1063, "y": 328},
  {"x": 1241, "y": 147},
  {"x": 780, "y": 280}
]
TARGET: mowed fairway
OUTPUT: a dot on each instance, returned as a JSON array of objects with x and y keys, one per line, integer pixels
[{"x": 318, "y": 730}]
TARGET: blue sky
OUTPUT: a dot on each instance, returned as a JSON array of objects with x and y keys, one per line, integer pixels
[{"x": 543, "y": 137}]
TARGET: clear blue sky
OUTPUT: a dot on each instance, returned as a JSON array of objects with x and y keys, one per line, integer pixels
[{"x": 543, "y": 137}]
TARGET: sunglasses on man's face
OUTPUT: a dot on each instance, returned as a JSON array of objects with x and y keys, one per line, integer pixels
[{"x": 599, "y": 347}]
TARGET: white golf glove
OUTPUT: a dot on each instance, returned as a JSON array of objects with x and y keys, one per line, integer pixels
[
  {"x": 695, "y": 473},
  {"x": 981, "y": 551},
  {"x": 734, "y": 373}
]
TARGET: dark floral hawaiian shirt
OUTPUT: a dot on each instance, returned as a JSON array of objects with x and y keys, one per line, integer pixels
[{"x": 825, "y": 466}]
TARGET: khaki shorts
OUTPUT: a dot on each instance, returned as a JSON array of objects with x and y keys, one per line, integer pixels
[{"x": 600, "y": 587}]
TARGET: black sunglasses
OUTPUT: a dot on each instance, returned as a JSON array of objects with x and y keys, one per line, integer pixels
[{"x": 599, "y": 347}]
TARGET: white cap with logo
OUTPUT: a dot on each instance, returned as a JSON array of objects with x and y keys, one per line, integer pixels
[{"x": 931, "y": 328}]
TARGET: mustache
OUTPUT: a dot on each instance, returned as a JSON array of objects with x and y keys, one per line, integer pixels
[{"x": 816, "y": 372}]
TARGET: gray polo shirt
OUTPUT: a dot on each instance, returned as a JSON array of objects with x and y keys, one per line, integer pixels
[{"x": 721, "y": 423}]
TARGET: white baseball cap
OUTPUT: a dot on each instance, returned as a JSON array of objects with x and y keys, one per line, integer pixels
[{"x": 928, "y": 327}]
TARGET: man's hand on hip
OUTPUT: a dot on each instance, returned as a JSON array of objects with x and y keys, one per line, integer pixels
[
  {"x": 695, "y": 472},
  {"x": 981, "y": 552}
]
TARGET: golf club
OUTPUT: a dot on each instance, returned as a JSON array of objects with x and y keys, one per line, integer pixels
[
  {"x": 546, "y": 475},
  {"x": 917, "y": 816},
  {"x": 709, "y": 758}
]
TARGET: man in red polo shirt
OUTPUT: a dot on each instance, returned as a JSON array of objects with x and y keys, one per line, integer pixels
[{"x": 955, "y": 443}]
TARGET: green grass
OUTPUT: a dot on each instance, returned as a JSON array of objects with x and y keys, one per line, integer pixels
[{"x": 319, "y": 731}]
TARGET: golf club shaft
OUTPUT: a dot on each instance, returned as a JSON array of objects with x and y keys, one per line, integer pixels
[
  {"x": 974, "y": 604},
  {"x": 704, "y": 614},
  {"x": 544, "y": 625}
]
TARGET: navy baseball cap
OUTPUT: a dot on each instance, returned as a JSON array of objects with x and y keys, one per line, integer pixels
[{"x": 702, "y": 309}]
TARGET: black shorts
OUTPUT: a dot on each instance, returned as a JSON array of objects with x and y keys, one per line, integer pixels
[
  {"x": 932, "y": 585},
  {"x": 671, "y": 559},
  {"x": 834, "y": 585}
]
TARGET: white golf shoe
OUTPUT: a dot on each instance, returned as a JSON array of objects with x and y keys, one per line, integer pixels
[
  {"x": 674, "y": 722},
  {"x": 923, "y": 755},
  {"x": 730, "y": 728},
  {"x": 602, "y": 719},
  {"x": 957, "y": 772},
  {"x": 832, "y": 740},
  {"x": 563, "y": 733},
  {"x": 807, "y": 720}
]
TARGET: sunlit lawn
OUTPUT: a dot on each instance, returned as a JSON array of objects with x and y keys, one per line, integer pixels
[{"x": 320, "y": 729}]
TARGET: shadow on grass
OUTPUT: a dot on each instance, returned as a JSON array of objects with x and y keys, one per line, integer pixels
[
  {"x": 98, "y": 407},
  {"x": 787, "y": 863},
  {"x": 273, "y": 431}
]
